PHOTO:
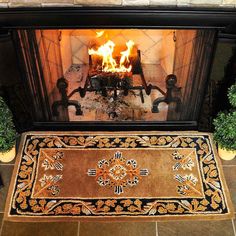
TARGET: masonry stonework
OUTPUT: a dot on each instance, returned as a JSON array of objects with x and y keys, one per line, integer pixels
[{"x": 115, "y": 3}]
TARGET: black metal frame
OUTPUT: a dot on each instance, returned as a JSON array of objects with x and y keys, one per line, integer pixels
[
  {"x": 117, "y": 17},
  {"x": 223, "y": 20}
]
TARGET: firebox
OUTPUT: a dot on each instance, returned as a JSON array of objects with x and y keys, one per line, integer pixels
[
  {"x": 141, "y": 69},
  {"x": 122, "y": 74}
]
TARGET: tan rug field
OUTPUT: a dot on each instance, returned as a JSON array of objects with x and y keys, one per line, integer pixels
[{"x": 117, "y": 176}]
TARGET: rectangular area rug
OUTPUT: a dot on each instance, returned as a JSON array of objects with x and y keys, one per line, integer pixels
[{"x": 117, "y": 176}]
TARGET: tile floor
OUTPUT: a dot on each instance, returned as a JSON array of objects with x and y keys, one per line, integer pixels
[{"x": 193, "y": 228}]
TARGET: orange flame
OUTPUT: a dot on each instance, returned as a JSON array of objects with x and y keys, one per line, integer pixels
[
  {"x": 109, "y": 64},
  {"x": 99, "y": 34}
]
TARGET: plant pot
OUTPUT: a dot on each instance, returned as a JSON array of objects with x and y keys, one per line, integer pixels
[
  {"x": 9, "y": 155},
  {"x": 226, "y": 155}
]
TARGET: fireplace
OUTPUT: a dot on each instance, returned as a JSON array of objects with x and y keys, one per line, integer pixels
[
  {"x": 121, "y": 74},
  {"x": 141, "y": 69}
]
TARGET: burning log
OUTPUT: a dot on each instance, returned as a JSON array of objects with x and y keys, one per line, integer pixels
[{"x": 100, "y": 80}]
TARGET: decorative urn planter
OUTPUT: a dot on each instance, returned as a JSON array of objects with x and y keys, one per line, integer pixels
[
  {"x": 9, "y": 155},
  {"x": 226, "y": 155}
]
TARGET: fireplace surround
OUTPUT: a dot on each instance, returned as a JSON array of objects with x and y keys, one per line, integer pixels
[{"x": 40, "y": 94}]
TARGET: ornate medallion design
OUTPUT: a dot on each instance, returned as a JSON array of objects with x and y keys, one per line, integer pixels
[{"x": 117, "y": 172}]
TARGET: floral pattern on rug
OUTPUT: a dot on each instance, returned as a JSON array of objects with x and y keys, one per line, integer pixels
[
  {"x": 187, "y": 181},
  {"x": 213, "y": 203}
]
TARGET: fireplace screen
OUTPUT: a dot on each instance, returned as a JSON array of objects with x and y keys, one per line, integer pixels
[{"x": 118, "y": 74}]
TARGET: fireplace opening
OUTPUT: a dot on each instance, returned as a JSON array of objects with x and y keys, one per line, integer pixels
[
  {"x": 120, "y": 74},
  {"x": 160, "y": 76}
]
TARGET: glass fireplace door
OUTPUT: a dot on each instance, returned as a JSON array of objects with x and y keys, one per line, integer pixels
[{"x": 119, "y": 75}]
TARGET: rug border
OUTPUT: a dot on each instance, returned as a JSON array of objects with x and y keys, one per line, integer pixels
[{"x": 7, "y": 217}]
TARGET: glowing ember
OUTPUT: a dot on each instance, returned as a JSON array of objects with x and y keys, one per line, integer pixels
[{"x": 109, "y": 64}]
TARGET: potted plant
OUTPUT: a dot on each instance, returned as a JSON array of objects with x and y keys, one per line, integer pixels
[
  {"x": 7, "y": 133},
  {"x": 225, "y": 128}
]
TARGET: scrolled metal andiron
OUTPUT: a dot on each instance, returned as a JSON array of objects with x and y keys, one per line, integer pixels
[
  {"x": 168, "y": 98},
  {"x": 103, "y": 82},
  {"x": 62, "y": 85}
]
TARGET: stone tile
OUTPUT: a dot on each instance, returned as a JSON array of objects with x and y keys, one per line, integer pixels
[
  {"x": 229, "y": 2},
  {"x": 25, "y": 3},
  {"x": 153, "y": 54},
  {"x": 155, "y": 35},
  {"x": 184, "y": 3},
  {"x": 39, "y": 229},
  {"x": 98, "y": 2},
  {"x": 58, "y": 1},
  {"x": 163, "y": 3},
  {"x": 136, "y": 2},
  {"x": 56, "y": 4},
  {"x": 81, "y": 56},
  {"x": 3, "y": 5},
  {"x": 142, "y": 41},
  {"x": 229, "y": 163},
  {"x": 196, "y": 228},
  {"x": 229, "y": 6},
  {"x": 118, "y": 229},
  {"x": 1, "y": 218},
  {"x": 230, "y": 176},
  {"x": 6, "y": 172},
  {"x": 206, "y": 2}
]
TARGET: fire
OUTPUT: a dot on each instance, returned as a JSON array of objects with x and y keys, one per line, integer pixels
[
  {"x": 109, "y": 64},
  {"x": 99, "y": 34}
]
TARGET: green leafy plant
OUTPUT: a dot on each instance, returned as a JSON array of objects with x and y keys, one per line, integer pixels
[
  {"x": 232, "y": 95},
  {"x": 225, "y": 130},
  {"x": 7, "y": 129},
  {"x": 225, "y": 124}
]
